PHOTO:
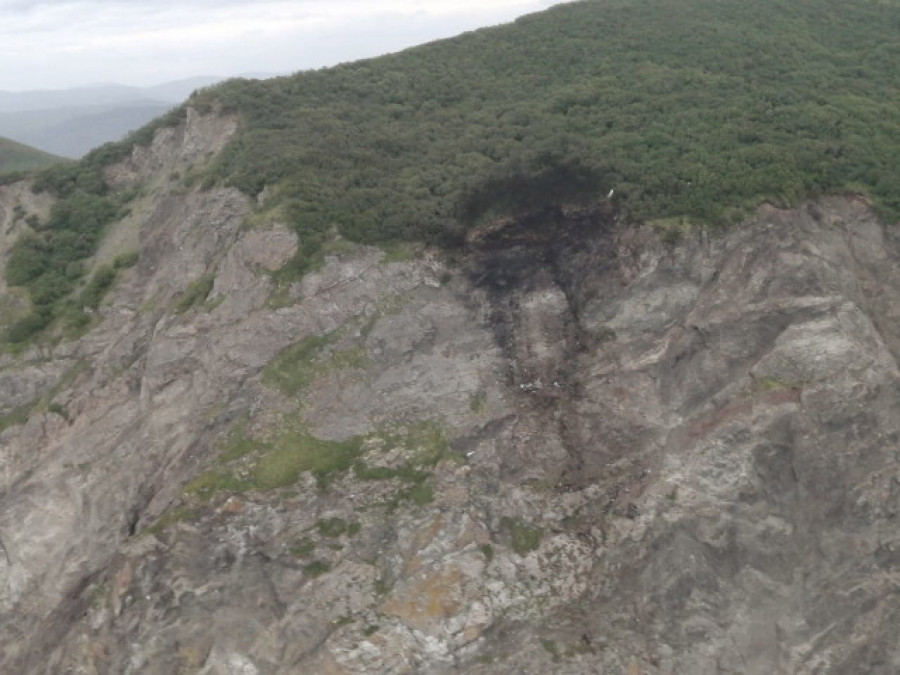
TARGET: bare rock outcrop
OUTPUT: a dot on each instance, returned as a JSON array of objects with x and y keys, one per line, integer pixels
[{"x": 576, "y": 449}]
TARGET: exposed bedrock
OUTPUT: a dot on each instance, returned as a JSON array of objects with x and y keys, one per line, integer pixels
[{"x": 576, "y": 449}]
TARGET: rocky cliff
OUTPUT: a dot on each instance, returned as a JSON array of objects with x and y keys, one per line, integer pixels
[{"x": 574, "y": 447}]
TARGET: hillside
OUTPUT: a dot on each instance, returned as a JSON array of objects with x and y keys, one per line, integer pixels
[
  {"x": 17, "y": 157},
  {"x": 363, "y": 371},
  {"x": 694, "y": 109},
  {"x": 691, "y": 118}
]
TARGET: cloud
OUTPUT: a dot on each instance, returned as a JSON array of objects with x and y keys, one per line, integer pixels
[{"x": 64, "y": 43}]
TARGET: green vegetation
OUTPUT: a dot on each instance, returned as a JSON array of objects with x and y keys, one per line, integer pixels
[
  {"x": 58, "y": 409},
  {"x": 296, "y": 366},
  {"x": 693, "y": 109},
  {"x": 424, "y": 445},
  {"x": 478, "y": 401},
  {"x": 303, "y": 548},
  {"x": 170, "y": 517},
  {"x": 45, "y": 403},
  {"x": 246, "y": 463},
  {"x": 49, "y": 262},
  {"x": 16, "y": 157},
  {"x": 316, "y": 568},
  {"x": 551, "y": 648},
  {"x": 297, "y": 452},
  {"x": 15, "y": 416},
  {"x": 335, "y": 527},
  {"x": 100, "y": 283},
  {"x": 420, "y": 494},
  {"x": 523, "y": 537},
  {"x": 766, "y": 384},
  {"x": 195, "y": 294},
  {"x": 260, "y": 465}
]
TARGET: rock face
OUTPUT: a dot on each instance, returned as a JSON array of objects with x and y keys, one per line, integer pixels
[{"x": 575, "y": 449}]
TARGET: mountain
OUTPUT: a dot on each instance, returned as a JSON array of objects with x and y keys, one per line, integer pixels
[
  {"x": 71, "y": 122},
  {"x": 100, "y": 95},
  {"x": 700, "y": 119},
  {"x": 72, "y": 132},
  {"x": 438, "y": 363},
  {"x": 18, "y": 157}
]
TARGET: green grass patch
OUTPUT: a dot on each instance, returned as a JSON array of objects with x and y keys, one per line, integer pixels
[
  {"x": 426, "y": 438},
  {"x": 16, "y": 157},
  {"x": 316, "y": 568},
  {"x": 336, "y": 527},
  {"x": 424, "y": 445},
  {"x": 126, "y": 260},
  {"x": 420, "y": 494},
  {"x": 238, "y": 443},
  {"x": 101, "y": 281},
  {"x": 245, "y": 463},
  {"x": 169, "y": 518},
  {"x": 478, "y": 401},
  {"x": 395, "y": 252},
  {"x": 45, "y": 402},
  {"x": 195, "y": 293},
  {"x": 355, "y": 357},
  {"x": 331, "y": 527},
  {"x": 303, "y": 548},
  {"x": 523, "y": 536},
  {"x": 551, "y": 648},
  {"x": 211, "y": 483},
  {"x": 297, "y": 452},
  {"x": 768, "y": 383},
  {"x": 58, "y": 409},
  {"x": 16, "y": 416},
  {"x": 297, "y": 366}
]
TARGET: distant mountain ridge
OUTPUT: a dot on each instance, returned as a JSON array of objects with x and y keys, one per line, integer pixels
[
  {"x": 101, "y": 94},
  {"x": 73, "y": 131},
  {"x": 69, "y": 122}
]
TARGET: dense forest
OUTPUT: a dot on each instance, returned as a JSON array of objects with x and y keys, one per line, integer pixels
[
  {"x": 692, "y": 111},
  {"x": 687, "y": 108}
]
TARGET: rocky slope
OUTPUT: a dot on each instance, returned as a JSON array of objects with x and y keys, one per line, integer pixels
[{"x": 574, "y": 448}]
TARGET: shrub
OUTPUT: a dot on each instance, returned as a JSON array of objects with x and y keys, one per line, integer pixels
[
  {"x": 196, "y": 293},
  {"x": 100, "y": 283},
  {"x": 331, "y": 527},
  {"x": 316, "y": 568},
  {"x": 524, "y": 537}
]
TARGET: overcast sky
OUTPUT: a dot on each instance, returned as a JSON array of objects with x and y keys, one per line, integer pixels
[{"x": 52, "y": 44}]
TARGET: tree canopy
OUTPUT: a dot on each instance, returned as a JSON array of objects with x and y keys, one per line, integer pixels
[{"x": 693, "y": 108}]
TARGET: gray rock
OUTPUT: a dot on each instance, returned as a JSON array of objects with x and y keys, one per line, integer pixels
[{"x": 580, "y": 451}]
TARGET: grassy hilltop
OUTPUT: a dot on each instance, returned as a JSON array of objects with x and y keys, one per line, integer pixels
[{"x": 17, "y": 157}]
